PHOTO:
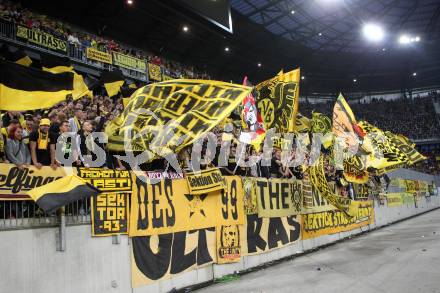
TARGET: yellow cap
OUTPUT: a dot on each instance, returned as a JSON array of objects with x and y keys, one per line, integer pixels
[{"x": 45, "y": 121}]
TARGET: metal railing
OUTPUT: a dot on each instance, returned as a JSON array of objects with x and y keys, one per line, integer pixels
[
  {"x": 76, "y": 53},
  {"x": 21, "y": 214}
]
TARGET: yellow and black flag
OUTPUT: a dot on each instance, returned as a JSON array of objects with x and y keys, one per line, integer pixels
[
  {"x": 61, "y": 192},
  {"x": 112, "y": 81},
  {"x": 179, "y": 112},
  {"x": 18, "y": 56},
  {"x": 277, "y": 101},
  {"x": 56, "y": 65},
  {"x": 25, "y": 88}
]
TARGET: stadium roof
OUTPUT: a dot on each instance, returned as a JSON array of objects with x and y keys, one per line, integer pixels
[
  {"x": 335, "y": 25},
  {"x": 323, "y": 37}
]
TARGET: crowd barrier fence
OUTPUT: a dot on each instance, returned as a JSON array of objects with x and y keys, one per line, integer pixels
[{"x": 77, "y": 53}]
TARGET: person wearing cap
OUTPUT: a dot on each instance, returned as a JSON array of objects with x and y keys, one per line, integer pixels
[{"x": 39, "y": 142}]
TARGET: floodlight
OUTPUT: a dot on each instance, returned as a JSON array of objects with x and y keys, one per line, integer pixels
[{"x": 373, "y": 32}]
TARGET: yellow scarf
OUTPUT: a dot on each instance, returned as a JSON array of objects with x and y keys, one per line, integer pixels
[
  {"x": 78, "y": 124},
  {"x": 43, "y": 140},
  {"x": 2, "y": 145}
]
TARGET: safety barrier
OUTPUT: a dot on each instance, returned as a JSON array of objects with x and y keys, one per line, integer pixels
[
  {"x": 77, "y": 53},
  {"x": 106, "y": 262},
  {"x": 26, "y": 214}
]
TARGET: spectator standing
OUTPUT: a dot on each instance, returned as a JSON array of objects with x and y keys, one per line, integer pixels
[
  {"x": 17, "y": 151},
  {"x": 39, "y": 142},
  {"x": 75, "y": 122},
  {"x": 62, "y": 140},
  {"x": 87, "y": 144},
  {"x": 54, "y": 122}
]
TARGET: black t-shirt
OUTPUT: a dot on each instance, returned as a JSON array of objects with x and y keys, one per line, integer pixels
[
  {"x": 43, "y": 155},
  {"x": 54, "y": 129},
  {"x": 66, "y": 144},
  {"x": 275, "y": 167}
]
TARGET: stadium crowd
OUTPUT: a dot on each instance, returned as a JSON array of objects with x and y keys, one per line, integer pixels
[
  {"x": 29, "y": 138},
  {"x": 15, "y": 13},
  {"x": 415, "y": 118}
]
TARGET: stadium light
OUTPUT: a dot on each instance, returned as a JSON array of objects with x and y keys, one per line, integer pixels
[
  {"x": 414, "y": 74},
  {"x": 226, "y": 49},
  {"x": 259, "y": 64},
  {"x": 373, "y": 32},
  {"x": 185, "y": 28},
  {"x": 355, "y": 80},
  {"x": 407, "y": 39},
  {"x": 404, "y": 39}
]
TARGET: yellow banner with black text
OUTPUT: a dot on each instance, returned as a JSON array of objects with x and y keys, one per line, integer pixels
[
  {"x": 168, "y": 116},
  {"x": 100, "y": 56},
  {"x": 330, "y": 222},
  {"x": 110, "y": 214},
  {"x": 16, "y": 182},
  {"x": 107, "y": 180},
  {"x": 129, "y": 62},
  {"x": 41, "y": 38},
  {"x": 205, "y": 181},
  {"x": 168, "y": 207},
  {"x": 278, "y": 197}
]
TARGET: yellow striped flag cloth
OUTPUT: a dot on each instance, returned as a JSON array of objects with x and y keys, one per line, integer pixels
[{"x": 61, "y": 192}]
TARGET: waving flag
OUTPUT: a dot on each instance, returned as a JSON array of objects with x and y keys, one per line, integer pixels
[{"x": 254, "y": 133}]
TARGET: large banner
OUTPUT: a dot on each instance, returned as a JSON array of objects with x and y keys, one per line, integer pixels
[
  {"x": 100, "y": 56},
  {"x": 278, "y": 197},
  {"x": 160, "y": 257},
  {"x": 168, "y": 207},
  {"x": 394, "y": 200},
  {"x": 315, "y": 203},
  {"x": 263, "y": 234},
  {"x": 408, "y": 198},
  {"x": 42, "y": 39},
  {"x": 129, "y": 62},
  {"x": 15, "y": 182},
  {"x": 330, "y": 222},
  {"x": 398, "y": 199},
  {"x": 398, "y": 183},
  {"x": 168, "y": 116},
  {"x": 110, "y": 214}
]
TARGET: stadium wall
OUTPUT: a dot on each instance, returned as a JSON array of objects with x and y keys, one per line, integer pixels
[{"x": 31, "y": 264}]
